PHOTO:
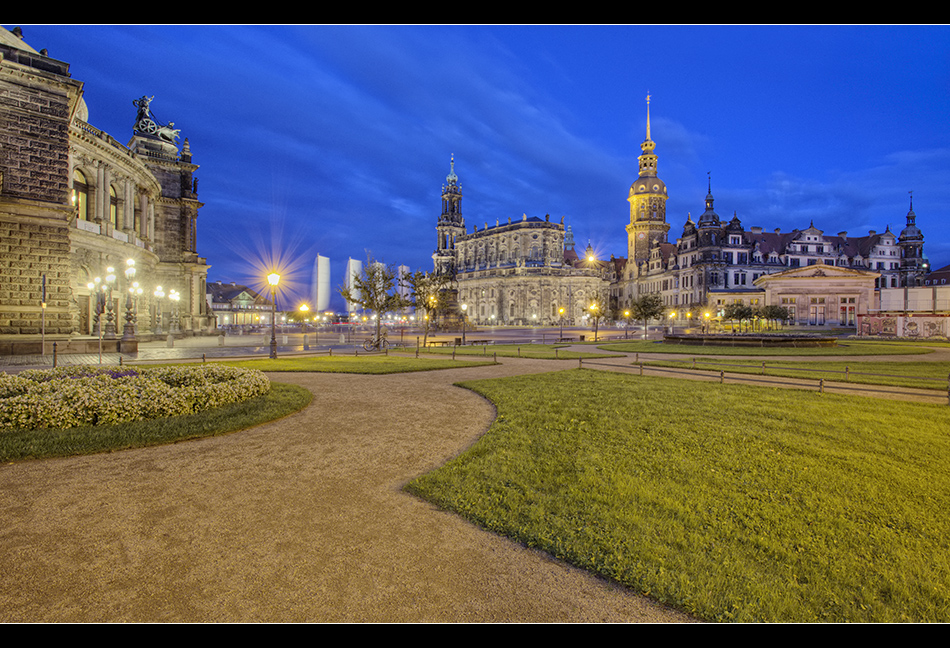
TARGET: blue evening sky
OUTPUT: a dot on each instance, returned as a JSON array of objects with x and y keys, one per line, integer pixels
[{"x": 336, "y": 139}]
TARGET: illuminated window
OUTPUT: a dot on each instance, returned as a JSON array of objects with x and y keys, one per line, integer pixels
[
  {"x": 80, "y": 195},
  {"x": 113, "y": 207}
]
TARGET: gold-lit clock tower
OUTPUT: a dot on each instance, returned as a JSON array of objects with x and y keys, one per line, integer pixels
[{"x": 647, "y": 200}]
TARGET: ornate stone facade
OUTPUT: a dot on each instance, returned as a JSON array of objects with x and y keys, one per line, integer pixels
[
  {"x": 514, "y": 272},
  {"x": 717, "y": 261},
  {"x": 74, "y": 202}
]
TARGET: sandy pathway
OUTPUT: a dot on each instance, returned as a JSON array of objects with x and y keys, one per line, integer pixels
[{"x": 298, "y": 520}]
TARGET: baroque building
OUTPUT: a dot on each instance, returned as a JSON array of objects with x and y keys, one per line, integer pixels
[
  {"x": 716, "y": 261},
  {"x": 76, "y": 205},
  {"x": 515, "y": 272},
  {"x": 525, "y": 270}
]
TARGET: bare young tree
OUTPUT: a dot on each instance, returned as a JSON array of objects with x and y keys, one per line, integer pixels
[
  {"x": 598, "y": 310},
  {"x": 374, "y": 289},
  {"x": 427, "y": 294}
]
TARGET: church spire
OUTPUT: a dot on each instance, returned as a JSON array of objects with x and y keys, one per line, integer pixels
[
  {"x": 648, "y": 115},
  {"x": 647, "y": 200},
  {"x": 648, "y": 159}
]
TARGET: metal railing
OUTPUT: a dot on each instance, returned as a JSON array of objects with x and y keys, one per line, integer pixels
[{"x": 638, "y": 365}]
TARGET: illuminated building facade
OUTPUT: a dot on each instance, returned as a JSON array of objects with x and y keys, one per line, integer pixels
[{"x": 75, "y": 202}]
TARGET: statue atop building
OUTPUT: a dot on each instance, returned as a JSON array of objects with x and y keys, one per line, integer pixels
[{"x": 146, "y": 124}]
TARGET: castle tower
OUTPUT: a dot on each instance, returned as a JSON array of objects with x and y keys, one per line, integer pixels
[
  {"x": 911, "y": 243},
  {"x": 709, "y": 218},
  {"x": 647, "y": 199},
  {"x": 451, "y": 225}
]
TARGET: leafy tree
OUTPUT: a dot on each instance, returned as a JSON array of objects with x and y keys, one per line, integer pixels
[
  {"x": 646, "y": 307},
  {"x": 775, "y": 313},
  {"x": 427, "y": 294},
  {"x": 738, "y": 312},
  {"x": 374, "y": 289}
]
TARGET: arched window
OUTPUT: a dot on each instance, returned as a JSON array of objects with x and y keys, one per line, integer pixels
[
  {"x": 113, "y": 207},
  {"x": 80, "y": 195}
]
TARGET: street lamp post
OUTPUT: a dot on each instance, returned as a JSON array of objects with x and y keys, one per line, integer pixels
[
  {"x": 304, "y": 309},
  {"x": 173, "y": 326},
  {"x": 560, "y": 313},
  {"x": 110, "y": 314},
  {"x": 464, "y": 308},
  {"x": 95, "y": 288},
  {"x": 159, "y": 295},
  {"x": 128, "y": 332},
  {"x": 273, "y": 279},
  {"x": 593, "y": 314},
  {"x": 626, "y": 328}
]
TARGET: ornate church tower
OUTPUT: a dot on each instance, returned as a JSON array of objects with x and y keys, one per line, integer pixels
[
  {"x": 450, "y": 226},
  {"x": 647, "y": 200}
]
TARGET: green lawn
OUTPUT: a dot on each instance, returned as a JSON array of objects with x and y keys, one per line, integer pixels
[
  {"x": 363, "y": 364},
  {"x": 534, "y": 351},
  {"x": 280, "y": 401},
  {"x": 730, "y": 502},
  {"x": 844, "y": 348},
  {"x": 921, "y": 375}
]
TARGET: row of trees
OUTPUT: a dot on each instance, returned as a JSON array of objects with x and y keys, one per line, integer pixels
[
  {"x": 650, "y": 306},
  {"x": 743, "y": 313}
]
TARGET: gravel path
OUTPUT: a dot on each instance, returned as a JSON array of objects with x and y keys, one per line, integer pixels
[{"x": 299, "y": 520}]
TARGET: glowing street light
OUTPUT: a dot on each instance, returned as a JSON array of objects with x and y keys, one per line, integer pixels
[
  {"x": 128, "y": 332},
  {"x": 174, "y": 297},
  {"x": 593, "y": 314},
  {"x": 110, "y": 316},
  {"x": 273, "y": 279},
  {"x": 159, "y": 295},
  {"x": 304, "y": 309}
]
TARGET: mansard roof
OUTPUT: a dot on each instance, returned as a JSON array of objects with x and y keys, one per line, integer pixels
[
  {"x": 225, "y": 293},
  {"x": 778, "y": 241}
]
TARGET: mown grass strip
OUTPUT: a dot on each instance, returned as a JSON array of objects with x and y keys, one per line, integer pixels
[
  {"x": 730, "y": 502},
  {"x": 844, "y": 348},
  {"x": 282, "y": 400},
  {"x": 533, "y": 351},
  {"x": 917, "y": 375},
  {"x": 362, "y": 364}
]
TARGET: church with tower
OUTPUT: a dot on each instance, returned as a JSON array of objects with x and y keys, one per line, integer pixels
[
  {"x": 526, "y": 271},
  {"x": 520, "y": 271}
]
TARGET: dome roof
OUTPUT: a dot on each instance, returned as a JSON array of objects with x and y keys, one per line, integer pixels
[{"x": 648, "y": 184}]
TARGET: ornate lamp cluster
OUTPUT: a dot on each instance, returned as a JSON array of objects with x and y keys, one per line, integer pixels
[{"x": 105, "y": 309}]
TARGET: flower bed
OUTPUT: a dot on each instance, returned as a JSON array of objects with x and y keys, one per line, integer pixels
[{"x": 72, "y": 396}]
